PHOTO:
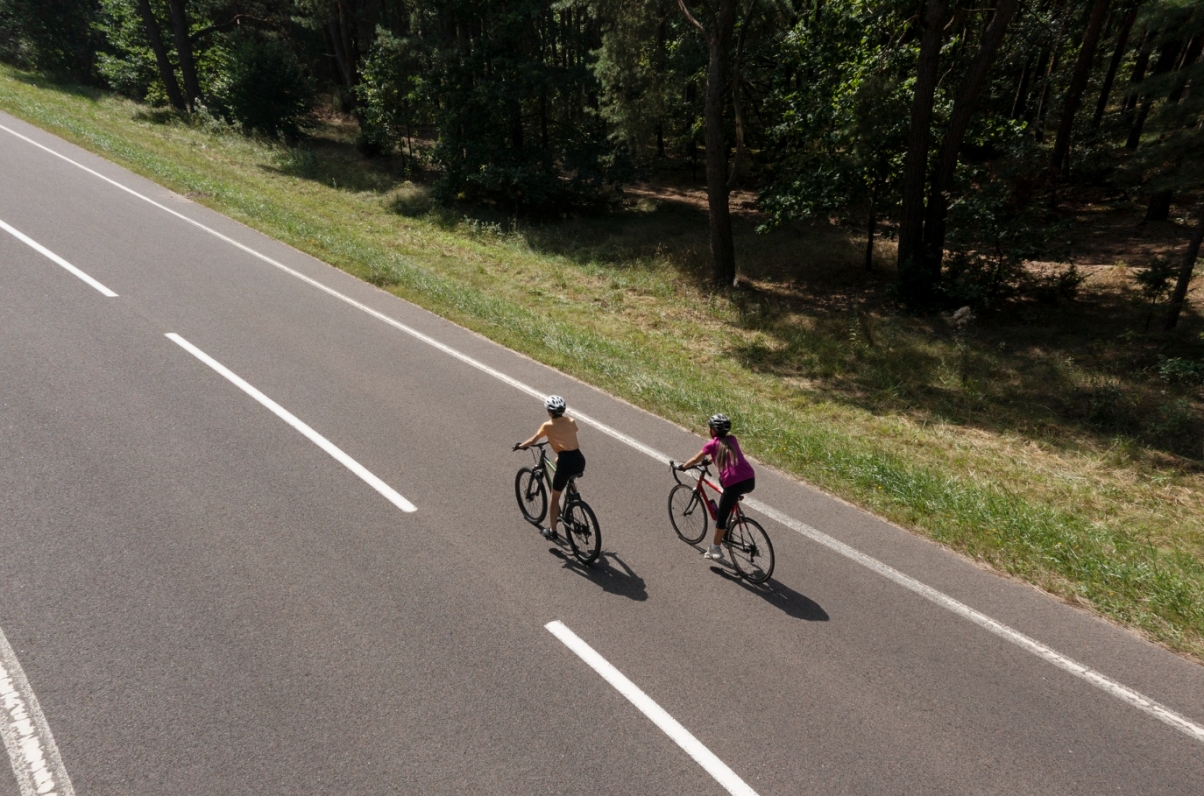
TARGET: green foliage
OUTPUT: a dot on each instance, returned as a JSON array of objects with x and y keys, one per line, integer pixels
[
  {"x": 127, "y": 64},
  {"x": 1177, "y": 370},
  {"x": 1171, "y": 154},
  {"x": 996, "y": 229},
  {"x": 52, "y": 36},
  {"x": 515, "y": 108},
  {"x": 841, "y": 108},
  {"x": 260, "y": 86},
  {"x": 651, "y": 66},
  {"x": 392, "y": 93}
]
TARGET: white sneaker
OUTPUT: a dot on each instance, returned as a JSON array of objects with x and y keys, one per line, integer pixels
[
  {"x": 714, "y": 554},
  {"x": 548, "y": 533}
]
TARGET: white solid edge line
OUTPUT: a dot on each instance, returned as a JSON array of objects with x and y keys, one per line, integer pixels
[
  {"x": 1050, "y": 655},
  {"x": 40, "y": 249},
  {"x": 669, "y": 725},
  {"x": 1161, "y": 712},
  {"x": 351, "y": 464},
  {"x": 35, "y": 758}
]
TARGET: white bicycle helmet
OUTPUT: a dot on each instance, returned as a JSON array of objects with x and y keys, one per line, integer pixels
[
  {"x": 721, "y": 423},
  {"x": 555, "y": 404}
]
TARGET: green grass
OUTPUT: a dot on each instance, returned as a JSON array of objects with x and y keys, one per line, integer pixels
[{"x": 964, "y": 445}]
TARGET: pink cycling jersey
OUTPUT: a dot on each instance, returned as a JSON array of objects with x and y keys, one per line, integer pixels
[{"x": 738, "y": 469}]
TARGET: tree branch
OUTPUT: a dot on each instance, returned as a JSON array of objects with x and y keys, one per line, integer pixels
[
  {"x": 682, "y": 5},
  {"x": 228, "y": 25}
]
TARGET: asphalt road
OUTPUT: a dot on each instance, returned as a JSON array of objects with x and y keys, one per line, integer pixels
[{"x": 205, "y": 602}]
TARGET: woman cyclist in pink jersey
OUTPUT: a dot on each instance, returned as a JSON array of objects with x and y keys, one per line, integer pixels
[{"x": 735, "y": 474}]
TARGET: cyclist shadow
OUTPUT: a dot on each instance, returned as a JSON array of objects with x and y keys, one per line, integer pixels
[
  {"x": 780, "y": 596},
  {"x": 612, "y": 579}
]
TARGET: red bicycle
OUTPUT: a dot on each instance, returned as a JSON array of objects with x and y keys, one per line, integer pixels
[{"x": 746, "y": 540}]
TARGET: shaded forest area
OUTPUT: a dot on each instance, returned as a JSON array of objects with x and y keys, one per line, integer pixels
[{"x": 1039, "y": 162}]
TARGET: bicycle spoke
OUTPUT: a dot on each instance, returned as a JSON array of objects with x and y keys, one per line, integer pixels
[
  {"x": 581, "y": 528},
  {"x": 687, "y": 513},
  {"x": 531, "y": 493},
  {"x": 751, "y": 550}
]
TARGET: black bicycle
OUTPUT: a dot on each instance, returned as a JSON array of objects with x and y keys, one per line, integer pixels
[
  {"x": 746, "y": 540},
  {"x": 531, "y": 485}
]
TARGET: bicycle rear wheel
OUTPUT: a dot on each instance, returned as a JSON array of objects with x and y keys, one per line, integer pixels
[
  {"x": 687, "y": 513},
  {"x": 532, "y": 494},
  {"x": 581, "y": 527},
  {"x": 751, "y": 550}
]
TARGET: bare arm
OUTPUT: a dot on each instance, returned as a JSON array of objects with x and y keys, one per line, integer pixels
[
  {"x": 542, "y": 431},
  {"x": 693, "y": 460}
]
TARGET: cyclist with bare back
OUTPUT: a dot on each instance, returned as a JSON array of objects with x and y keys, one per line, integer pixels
[{"x": 561, "y": 432}]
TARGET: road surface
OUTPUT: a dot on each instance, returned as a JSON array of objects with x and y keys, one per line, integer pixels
[{"x": 200, "y": 598}]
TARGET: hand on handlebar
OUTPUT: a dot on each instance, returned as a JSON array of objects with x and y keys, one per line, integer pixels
[{"x": 518, "y": 446}]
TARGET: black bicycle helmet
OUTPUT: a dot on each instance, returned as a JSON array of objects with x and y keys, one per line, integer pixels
[
  {"x": 555, "y": 404},
  {"x": 721, "y": 423}
]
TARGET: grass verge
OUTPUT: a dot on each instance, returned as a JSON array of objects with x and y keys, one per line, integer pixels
[{"x": 1102, "y": 523}]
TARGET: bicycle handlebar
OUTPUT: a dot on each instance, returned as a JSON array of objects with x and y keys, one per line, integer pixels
[
  {"x": 519, "y": 446},
  {"x": 675, "y": 468}
]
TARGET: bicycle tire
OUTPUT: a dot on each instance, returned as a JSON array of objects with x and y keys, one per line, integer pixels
[
  {"x": 687, "y": 513},
  {"x": 751, "y": 550},
  {"x": 581, "y": 527},
  {"x": 531, "y": 493}
]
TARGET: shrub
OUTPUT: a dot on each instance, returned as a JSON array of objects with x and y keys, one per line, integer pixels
[
  {"x": 1176, "y": 370},
  {"x": 262, "y": 87},
  {"x": 1176, "y": 426}
]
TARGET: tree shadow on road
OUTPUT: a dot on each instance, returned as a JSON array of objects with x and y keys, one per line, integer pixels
[
  {"x": 613, "y": 578},
  {"x": 780, "y": 596}
]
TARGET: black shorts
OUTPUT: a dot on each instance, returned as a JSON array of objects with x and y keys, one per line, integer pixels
[
  {"x": 731, "y": 495},
  {"x": 568, "y": 465}
]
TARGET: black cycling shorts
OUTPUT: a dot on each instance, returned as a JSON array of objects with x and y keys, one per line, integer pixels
[
  {"x": 731, "y": 495},
  {"x": 568, "y": 465}
]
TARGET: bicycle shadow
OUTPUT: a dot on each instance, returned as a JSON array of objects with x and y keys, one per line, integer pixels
[
  {"x": 620, "y": 580},
  {"x": 780, "y": 596}
]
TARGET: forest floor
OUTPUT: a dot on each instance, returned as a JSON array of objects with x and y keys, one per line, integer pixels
[{"x": 1059, "y": 443}]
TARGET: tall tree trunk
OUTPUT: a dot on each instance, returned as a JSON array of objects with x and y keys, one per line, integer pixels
[
  {"x": 1078, "y": 82},
  {"x": 183, "y": 42},
  {"x": 738, "y": 114},
  {"x": 1179, "y": 296},
  {"x": 1139, "y": 68},
  {"x": 872, "y": 227},
  {"x": 1021, "y": 91},
  {"x": 1189, "y": 57},
  {"x": 959, "y": 122},
  {"x": 516, "y": 124},
  {"x": 1118, "y": 54},
  {"x": 1030, "y": 108},
  {"x": 166, "y": 73},
  {"x": 734, "y": 178},
  {"x": 913, "y": 276},
  {"x": 723, "y": 252},
  {"x": 1159, "y": 208},
  {"x": 1166, "y": 61},
  {"x": 340, "y": 55}
]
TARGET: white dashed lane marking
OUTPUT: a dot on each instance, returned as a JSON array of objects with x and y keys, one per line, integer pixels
[{"x": 1066, "y": 664}]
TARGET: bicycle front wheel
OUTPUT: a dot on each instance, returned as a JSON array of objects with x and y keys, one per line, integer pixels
[
  {"x": 687, "y": 513},
  {"x": 532, "y": 494},
  {"x": 581, "y": 527},
  {"x": 751, "y": 550}
]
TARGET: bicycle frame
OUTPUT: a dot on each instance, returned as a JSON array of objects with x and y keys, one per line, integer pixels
[
  {"x": 548, "y": 468},
  {"x": 704, "y": 470}
]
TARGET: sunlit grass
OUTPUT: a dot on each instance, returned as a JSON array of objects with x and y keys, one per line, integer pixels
[{"x": 875, "y": 407}]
